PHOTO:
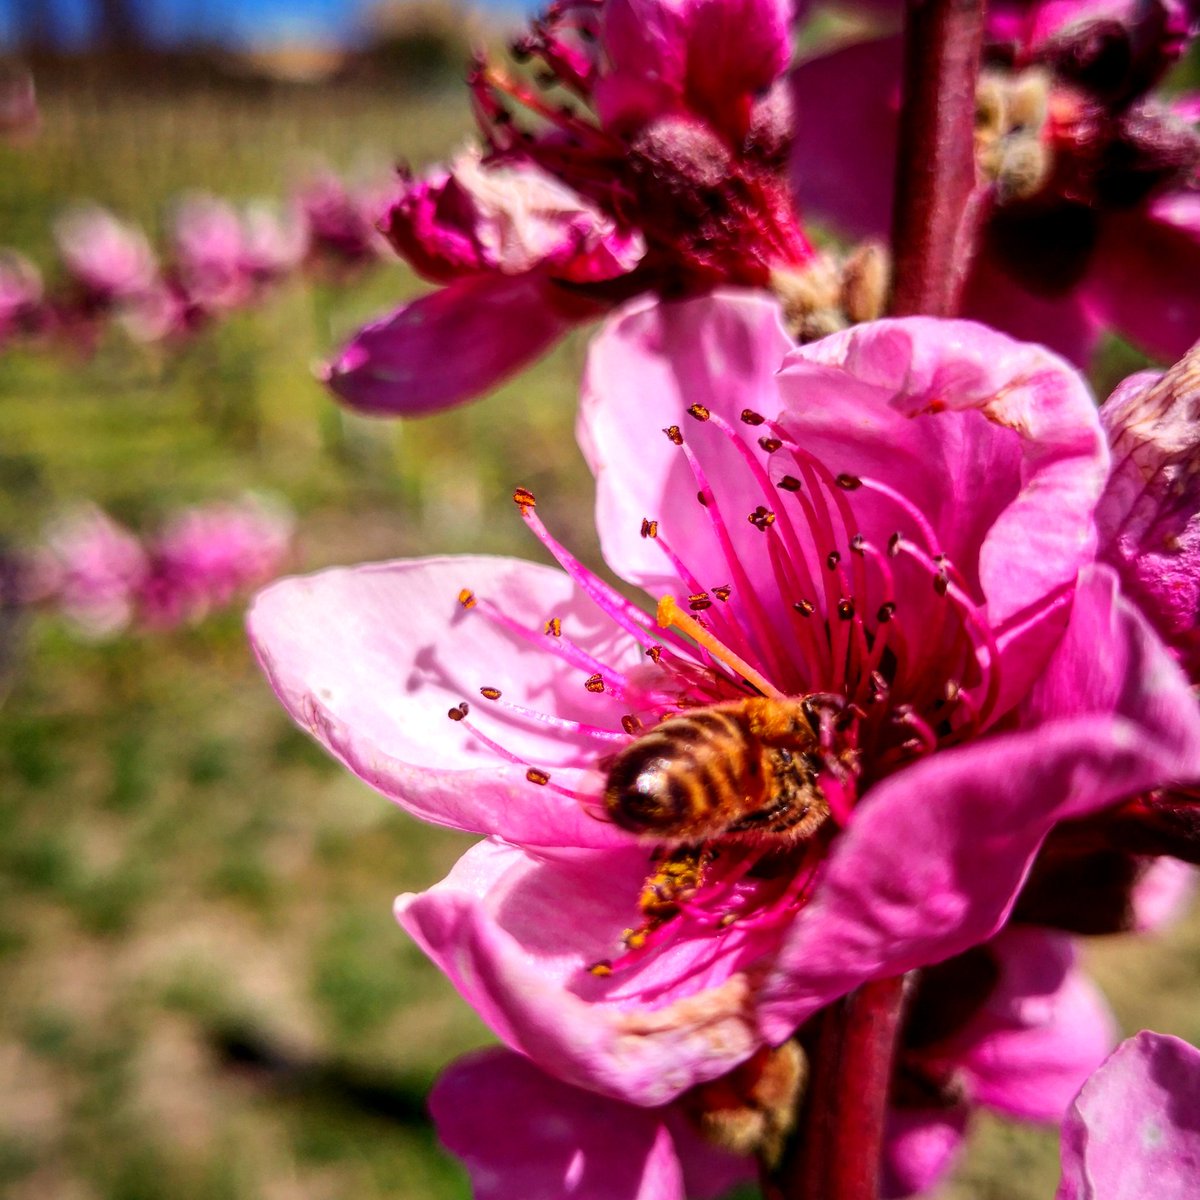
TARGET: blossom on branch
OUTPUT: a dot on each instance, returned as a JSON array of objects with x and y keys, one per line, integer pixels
[{"x": 909, "y": 656}]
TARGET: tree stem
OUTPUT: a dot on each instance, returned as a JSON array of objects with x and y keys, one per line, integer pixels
[
  {"x": 938, "y": 208},
  {"x": 842, "y": 1140}
]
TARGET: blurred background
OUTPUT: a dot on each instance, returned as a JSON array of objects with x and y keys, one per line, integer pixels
[{"x": 203, "y": 995}]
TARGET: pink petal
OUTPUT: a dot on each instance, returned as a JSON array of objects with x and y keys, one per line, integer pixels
[
  {"x": 974, "y": 817},
  {"x": 370, "y": 660},
  {"x": 522, "y": 1133},
  {"x": 1162, "y": 894},
  {"x": 447, "y": 346},
  {"x": 844, "y": 150},
  {"x": 921, "y": 1146},
  {"x": 645, "y": 367},
  {"x": 516, "y": 934},
  {"x": 1044, "y": 1029},
  {"x": 1142, "y": 281},
  {"x": 1149, "y": 516},
  {"x": 1039, "y": 444},
  {"x": 1134, "y": 1130}
]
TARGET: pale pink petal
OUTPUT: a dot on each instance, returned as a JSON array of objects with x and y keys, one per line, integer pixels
[
  {"x": 1142, "y": 280},
  {"x": 645, "y": 367},
  {"x": 1044, "y": 1029},
  {"x": 920, "y": 1146},
  {"x": 522, "y": 1133},
  {"x": 109, "y": 258},
  {"x": 516, "y": 934},
  {"x": 371, "y": 659},
  {"x": 1162, "y": 894},
  {"x": 446, "y": 346},
  {"x": 975, "y": 405},
  {"x": 1134, "y": 1130},
  {"x": 974, "y": 817},
  {"x": 844, "y": 150}
]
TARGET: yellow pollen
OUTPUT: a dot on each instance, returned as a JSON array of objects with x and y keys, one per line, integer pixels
[{"x": 669, "y": 613}]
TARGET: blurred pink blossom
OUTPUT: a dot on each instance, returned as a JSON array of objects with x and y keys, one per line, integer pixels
[
  {"x": 825, "y": 521},
  {"x": 90, "y": 568},
  {"x": 109, "y": 261},
  {"x": 21, "y": 308},
  {"x": 341, "y": 221}
]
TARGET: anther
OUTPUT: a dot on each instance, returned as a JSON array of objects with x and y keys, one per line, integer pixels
[
  {"x": 490, "y": 693},
  {"x": 805, "y": 608},
  {"x": 594, "y": 683},
  {"x": 699, "y": 412},
  {"x": 524, "y": 498},
  {"x": 858, "y": 544},
  {"x": 703, "y": 499},
  {"x": 789, "y": 483},
  {"x": 654, "y": 653},
  {"x": 762, "y": 518},
  {"x": 649, "y": 528},
  {"x": 952, "y": 690},
  {"x": 673, "y": 432},
  {"x": 631, "y": 724},
  {"x": 466, "y": 598},
  {"x": 723, "y": 592},
  {"x": 770, "y": 444},
  {"x": 554, "y": 627},
  {"x": 886, "y": 612},
  {"x": 541, "y": 778},
  {"x": 845, "y": 608},
  {"x": 601, "y": 969},
  {"x": 848, "y": 483},
  {"x": 699, "y": 601},
  {"x": 750, "y": 417},
  {"x": 941, "y": 582},
  {"x": 459, "y": 712},
  {"x": 894, "y": 545},
  {"x": 832, "y": 560}
]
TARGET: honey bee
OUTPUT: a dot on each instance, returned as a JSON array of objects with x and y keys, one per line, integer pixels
[{"x": 745, "y": 770}]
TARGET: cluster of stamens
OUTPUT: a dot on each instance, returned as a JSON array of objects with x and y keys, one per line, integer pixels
[{"x": 831, "y": 628}]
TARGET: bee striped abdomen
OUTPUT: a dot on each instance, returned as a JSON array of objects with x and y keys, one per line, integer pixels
[{"x": 736, "y": 771}]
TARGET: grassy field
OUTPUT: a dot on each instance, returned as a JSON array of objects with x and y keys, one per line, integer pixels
[{"x": 203, "y": 995}]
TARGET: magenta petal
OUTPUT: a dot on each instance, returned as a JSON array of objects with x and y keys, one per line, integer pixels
[
  {"x": 1043, "y": 1031},
  {"x": 845, "y": 142},
  {"x": 920, "y": 1146},
  {"x": 524, "y": 1134},
  {"x": 1143, "y": 277},
  {"x": 1134, "y": 1130},
  {"x": 370, "y": 660},
  {"x": 974, "y": 817},
  {"x": 446, "y": 346},
  {"x": 516, "y": 934},
  {"x": 650, "y": 362}
]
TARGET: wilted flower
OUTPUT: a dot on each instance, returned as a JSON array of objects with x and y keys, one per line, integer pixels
[
  {"x": 908, "y": 655},
  {"x": 664, "y": 172},
  {"x": 1095, "y": 218}
]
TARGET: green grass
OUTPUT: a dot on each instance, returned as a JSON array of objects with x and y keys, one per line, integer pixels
[{"x": 201, "y": 986}]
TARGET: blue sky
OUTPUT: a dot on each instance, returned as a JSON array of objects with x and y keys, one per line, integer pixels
[{"x": 237, "y": 21}]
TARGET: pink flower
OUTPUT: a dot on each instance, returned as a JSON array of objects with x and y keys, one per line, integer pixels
[
  {"x": 1133, "y": 1131},
  {"x": 1012, "y": 1026},
  {"x": 208, "y": 251},
  {"x": 206, "y": 555},
  {"x": 108, "y": 260},
  {"x": 1094, "y": 219},
  {"x": 274, "y": 243},
  {"x": 673, "y": 183},
  {"x": 341, "y": 222},
  {"x": 893, "y": 538},
  {"x": 90, "y": 568}
]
